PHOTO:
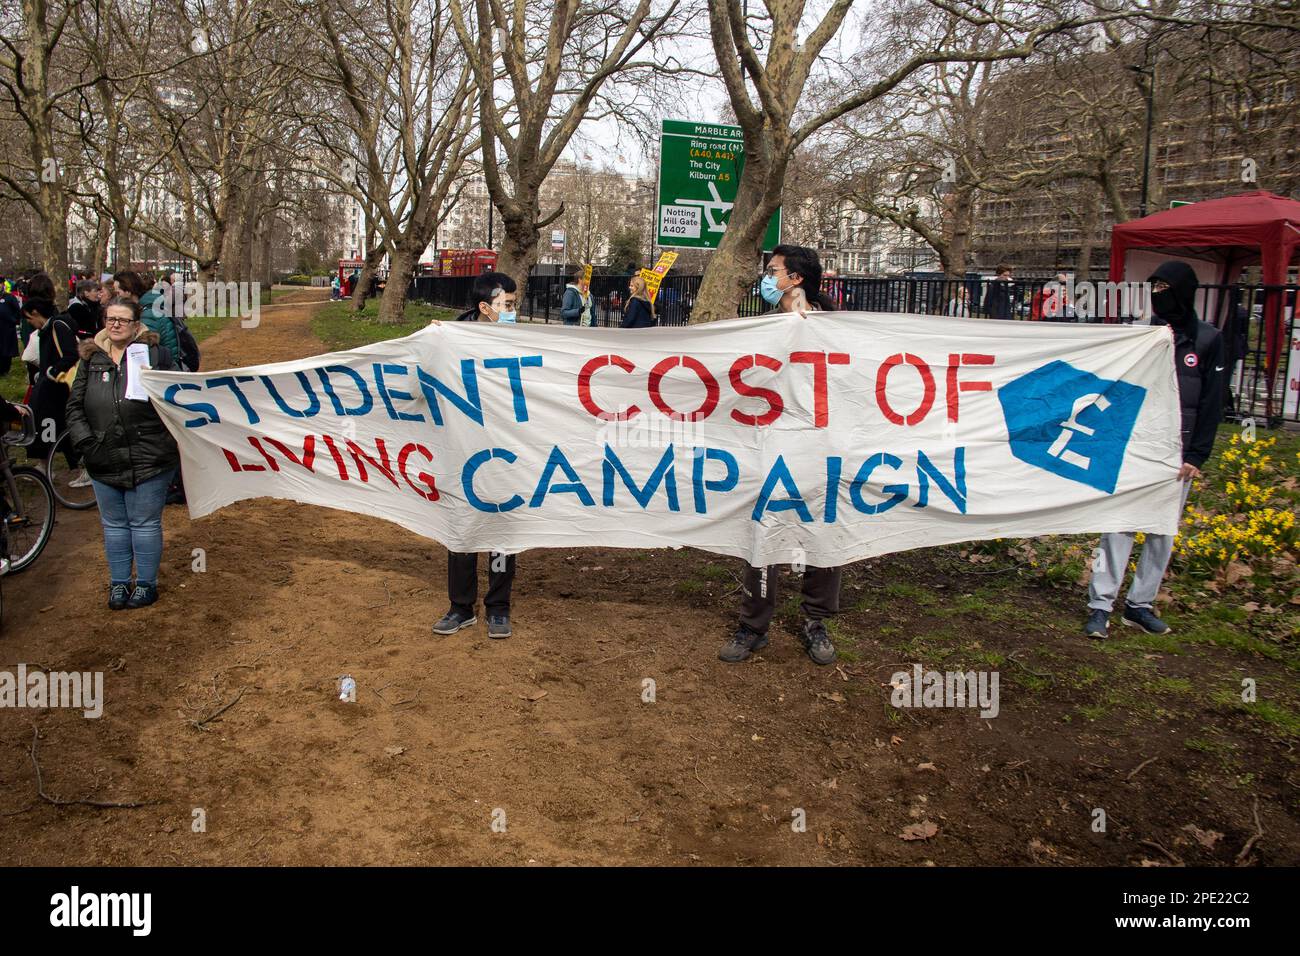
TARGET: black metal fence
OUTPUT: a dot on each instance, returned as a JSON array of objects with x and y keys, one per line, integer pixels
[{"x": 1236, "y": 309}]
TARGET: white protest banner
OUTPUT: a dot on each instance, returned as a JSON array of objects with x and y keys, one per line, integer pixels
[{"x": 775, "y": 439}]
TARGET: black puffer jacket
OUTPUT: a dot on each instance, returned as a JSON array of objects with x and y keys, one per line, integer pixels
[
  {"x": 124, "y": 442},
  {"x": 1198, "y": 354}
]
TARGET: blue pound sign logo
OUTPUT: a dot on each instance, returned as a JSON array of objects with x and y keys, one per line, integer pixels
[{"x": 1071, "y": 422}]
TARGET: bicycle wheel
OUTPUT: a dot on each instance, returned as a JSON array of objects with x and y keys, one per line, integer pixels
[
  {"x": 28, "y": 528},
  {"x": 62, "y": 475}
]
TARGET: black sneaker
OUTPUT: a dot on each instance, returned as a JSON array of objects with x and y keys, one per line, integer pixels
[
  {"x": 454, "y": 621},
  {"x": 1098, "y": 625},
  {"x": 817, "y": 642},
  {"x": 743, "y": 643},
  {"x": 498, "y": 626},
  {"x": 142, "y": 596},
  {"x": 1144, "y": 618},
  {"x": 118, "y": 595}
]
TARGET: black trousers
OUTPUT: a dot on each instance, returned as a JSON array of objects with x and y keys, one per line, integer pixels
[
  {"x": 821, "y": 595},
  {"x": 462, "y": 583}
]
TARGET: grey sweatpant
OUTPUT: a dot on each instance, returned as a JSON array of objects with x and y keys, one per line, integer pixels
[{"x": 1112, "y": 561}]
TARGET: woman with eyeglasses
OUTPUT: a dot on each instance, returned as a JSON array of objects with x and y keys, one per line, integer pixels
[
  {"x": 128, "y": 451},
  {"x": 791, "y": 283}
]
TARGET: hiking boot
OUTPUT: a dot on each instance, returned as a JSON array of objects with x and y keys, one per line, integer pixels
[
  {"x": 118, "y": 595},
  {"x": 498, "y": 626},
  {"x": 817, "y": 642},
  {"x": 1144, "y": 618},
  {"x": 142, "y": 596},
  {"x": 454, "y": 621},
  {"x": 743, "y": 643},
  {"x": 1098, "y": 625}
]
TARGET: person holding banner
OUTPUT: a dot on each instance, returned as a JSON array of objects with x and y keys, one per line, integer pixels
[
  {"x": 1198, "y": 364},
  {"x": 791, "y": 283},
  {"x": 130, "y": 455},
  {"x": 640, "y": 311},
  {"x": 492, "y": 300}
]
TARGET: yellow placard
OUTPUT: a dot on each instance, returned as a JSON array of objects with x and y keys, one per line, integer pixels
[{"x": 654, "y": 277}]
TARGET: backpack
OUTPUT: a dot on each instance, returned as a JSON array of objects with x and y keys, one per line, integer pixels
[{"x": 190, "y": 356}]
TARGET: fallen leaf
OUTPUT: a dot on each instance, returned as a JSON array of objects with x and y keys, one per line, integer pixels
[
  {"x": 895, "y": 740},
  {"x": 534, "y": 697},
  {"x": 1206, "y": 838},
  {"x": 919, "y": 831},
  {"x": 927, "y": 766},
  {"x": 394, "y": 751},
  {"x": 47, "y": 608},
  {"x": 756, "y": 738},
  {"x": 1235, "y": 572},
  {"x": 1250, "y": 606}
]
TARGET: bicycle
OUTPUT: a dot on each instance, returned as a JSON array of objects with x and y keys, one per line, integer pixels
[
  {"x": 63, "y": 475},
  {"x": 27, "y": 507}
]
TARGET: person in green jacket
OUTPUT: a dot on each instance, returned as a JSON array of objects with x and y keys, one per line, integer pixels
[{"x": 153, "y": 309}]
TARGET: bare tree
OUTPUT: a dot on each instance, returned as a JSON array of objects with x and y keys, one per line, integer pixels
[
  {"x": 406, "y": 85},
  {"x": 541, "y": 69}
]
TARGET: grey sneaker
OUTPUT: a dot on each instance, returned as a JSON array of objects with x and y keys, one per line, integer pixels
[
  {"x": 743, "y": 643},
  {"x": 817, "y": 642},
  {"x": 454, "y": 621},
  {"x": 118, "y": 595},
  {"x": 1144, "y": 618},
  {"x": 1098, "y": 625},
  {"x": 498, "y": 626}
]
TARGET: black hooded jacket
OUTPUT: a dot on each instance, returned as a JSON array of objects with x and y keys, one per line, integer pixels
[{"x": 1198, "y": 354}]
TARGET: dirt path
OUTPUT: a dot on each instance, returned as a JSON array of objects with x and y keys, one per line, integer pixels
[{"x": 549, "y": 727}]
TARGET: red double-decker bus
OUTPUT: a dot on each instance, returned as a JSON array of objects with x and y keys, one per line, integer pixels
[{"x": 466, "y": 262}]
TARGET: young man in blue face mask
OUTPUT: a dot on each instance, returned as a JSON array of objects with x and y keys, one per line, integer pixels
[
  {"x": 1198, "y": 362},
  {"x": 492, "y": 299},
  {"x": 791, "y": 283}
]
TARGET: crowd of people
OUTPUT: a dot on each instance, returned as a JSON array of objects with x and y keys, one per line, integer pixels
[{"x": 75, "y": 361}]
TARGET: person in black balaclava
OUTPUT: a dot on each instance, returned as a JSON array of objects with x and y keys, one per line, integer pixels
[{"x": 1198, "y": 358}]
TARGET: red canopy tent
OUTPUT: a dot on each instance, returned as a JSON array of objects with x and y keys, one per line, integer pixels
[{"x": 1218, "y": 238}]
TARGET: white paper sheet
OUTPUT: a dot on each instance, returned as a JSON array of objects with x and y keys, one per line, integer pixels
[{"x": 137, "y": 358}]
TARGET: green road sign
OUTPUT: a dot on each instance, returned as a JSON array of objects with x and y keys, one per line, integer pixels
[
  {"x": 1175, "y": 203},
  {"x": 699, "y": 173}
]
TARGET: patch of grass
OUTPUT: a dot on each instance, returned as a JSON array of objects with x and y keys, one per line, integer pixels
[
  {"x": 1278, "y": 718},
  {"x": 1216, "y": 747},
  {"x": 1236, "y": 639},
  {"x": 339, "y": 327},
  {"x": 1030, "y": 681},
  {"x": 909, "y": 592},
  {"x": 1169, "y": 685},
  {"x": 714, "y": 572},
  {"x": 989, "y": 659},
  {"x": 1086, "y": 675}
]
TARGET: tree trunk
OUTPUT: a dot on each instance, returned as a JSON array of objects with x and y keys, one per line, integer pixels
[
  {"x": 401, "y": 266},
  {"x": 369, "y": 267},
  {"x": 519, "y": 248},
  {"x": 960, "y": 213},
  {"x": 102, "y": 236},
  {"x": 54, "y": 240},
  {"x": 735, "y": 263},
  {"x": 1088, "y": 234}
]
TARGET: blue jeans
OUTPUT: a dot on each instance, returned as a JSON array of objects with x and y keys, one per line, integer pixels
[{"x": 132, "y": 522}]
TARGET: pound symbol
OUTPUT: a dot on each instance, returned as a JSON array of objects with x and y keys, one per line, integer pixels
[{"x": 1071, "y": 425}]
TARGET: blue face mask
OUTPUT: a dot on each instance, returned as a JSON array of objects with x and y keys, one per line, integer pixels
[
  {"x": 769, "y": 291},
  {"x": 507, "y": 317}
]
